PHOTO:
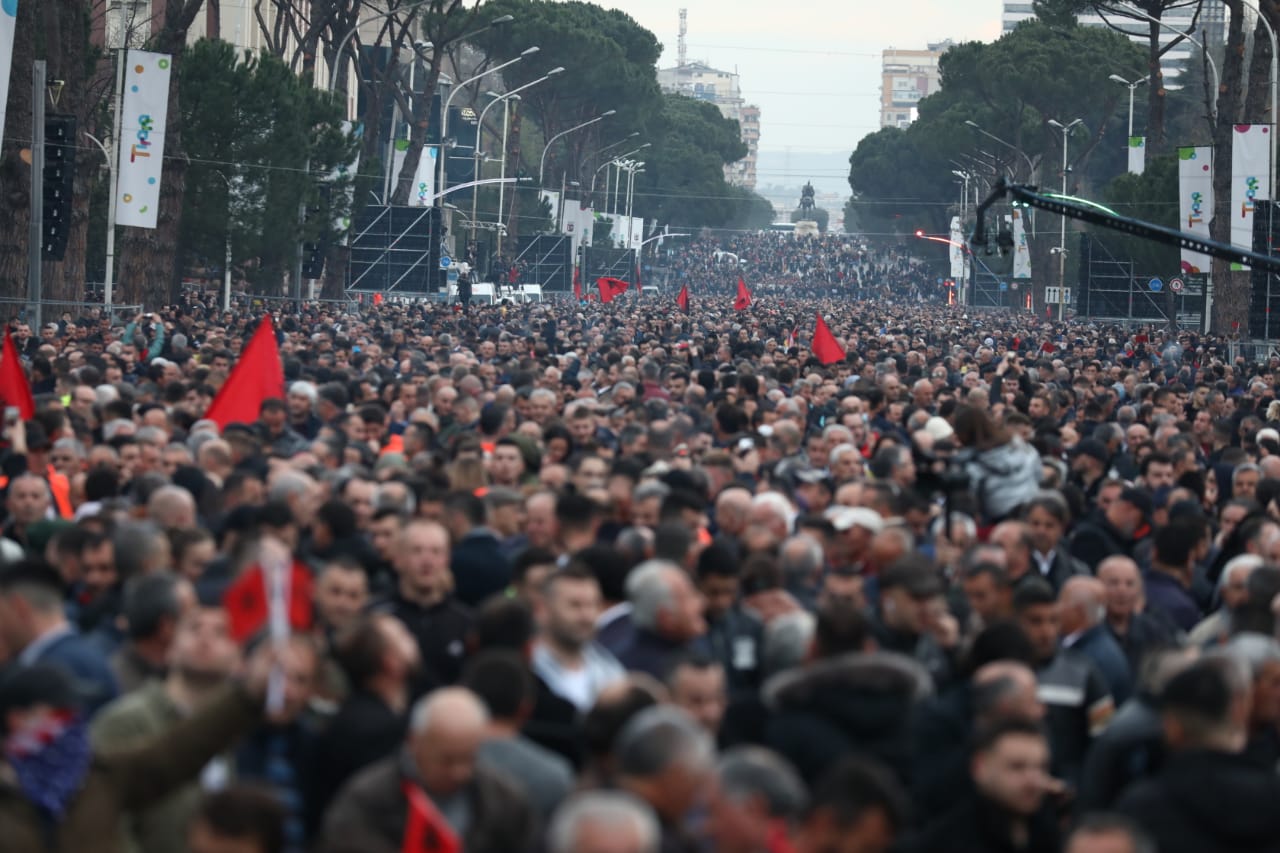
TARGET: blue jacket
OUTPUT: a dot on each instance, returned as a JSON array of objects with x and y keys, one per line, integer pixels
[
  {"x": 479, "y": 567},
  {"x": 1166, "y": 595},
  {"x": 83, "y": 661}
]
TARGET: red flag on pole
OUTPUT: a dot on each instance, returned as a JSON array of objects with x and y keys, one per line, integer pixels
[
  {"x": 577, "y": 286},
  {"x": 743, "y": 300},
  {"x": 611, "y": 288},
  {"x": 256, "y": 377},
  {"x": 825, "y": 347},
  {"x": 425, "y": 829},
  {"x": 14, "y": 388},
  {"x": 683, "y": 299}
]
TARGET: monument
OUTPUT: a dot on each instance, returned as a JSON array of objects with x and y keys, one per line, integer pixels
[{"x": 807, "y": 224}]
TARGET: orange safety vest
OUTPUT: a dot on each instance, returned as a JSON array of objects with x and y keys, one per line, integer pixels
[{"x": 59, "y": 488}]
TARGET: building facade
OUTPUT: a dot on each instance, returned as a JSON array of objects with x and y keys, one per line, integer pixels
[
  {"x": 1210, "y": 29},
  {"x": 906, "y": 77},
  {"x": 722, "y": 88}
]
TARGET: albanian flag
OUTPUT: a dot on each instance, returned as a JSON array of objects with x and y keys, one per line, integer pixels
[
  {"x": 611, "y": 288},
  {"x": 683, "y": 299},
  {"x": 743, "y": 300}
]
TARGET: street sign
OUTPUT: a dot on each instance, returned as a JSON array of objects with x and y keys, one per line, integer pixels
[
  {"x": 445, "y": 261},
  {"x": 1004, "y": 285},
  {"x": 1175, "y": 284},
  {"x": 1156, "y": 285}
]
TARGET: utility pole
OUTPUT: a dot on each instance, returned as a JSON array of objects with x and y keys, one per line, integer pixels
[{"x": 35, "y": 232}]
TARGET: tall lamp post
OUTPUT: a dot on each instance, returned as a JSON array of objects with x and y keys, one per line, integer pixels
[
  {"x": 613, "y": 162},
  {"x": 1062, "y": 240},
  {"x": 1133, "y": 86},
  {"x": 503, "y": 98},
  {"x": 542, "y": 163}
]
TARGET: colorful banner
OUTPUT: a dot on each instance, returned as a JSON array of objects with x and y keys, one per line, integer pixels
[
  {"x": 1137, "y": 154},
  {"x": 957, "y": 250},
  {"x": 1195, "y": 201},
  {"x": 1250, "y": 180},
  {"x": 342, "y": 222},
  {"x": 142, "y": 124},
  {"x": 1021, "y": 250},
  {"x": 424, "y": 181},
  {"x": 8, "y": 24}
]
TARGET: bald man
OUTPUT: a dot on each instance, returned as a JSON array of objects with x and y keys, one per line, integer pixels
[
  {"x": 484, "y": 811},
  {"x": 1082, "y": 611}
]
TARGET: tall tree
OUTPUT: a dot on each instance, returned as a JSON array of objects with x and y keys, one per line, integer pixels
[
  {"x": 1230, "y": 287},
  {"x": 149, "y": 272}
]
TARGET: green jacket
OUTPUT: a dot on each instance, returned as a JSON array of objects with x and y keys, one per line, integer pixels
[
  {"x": 133, "y": 720},
  {"x": 121, "y": 783}
]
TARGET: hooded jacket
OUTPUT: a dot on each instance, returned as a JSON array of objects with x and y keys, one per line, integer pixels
[
  {"x": 860, "y": 701},
  {"x": 1004, "y": 477},
  {"x": 1208, "y": 802}
]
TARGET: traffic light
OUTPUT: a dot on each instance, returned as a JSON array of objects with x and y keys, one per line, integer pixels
[{"x": 58, "y": 182}]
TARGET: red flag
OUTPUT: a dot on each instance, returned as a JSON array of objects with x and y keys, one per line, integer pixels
[
  {"x": 825, "y": 347},
  {"x": 377, "y": 299},
  {"x": 14, "y": 389},
  {"x": 249, "y": 607},
  {"x": 577, "y": 286},
  {"x": 256, "y": 377},
  {"x": 611, "y": 288},
  {"x": 425, "y": 829},
  {"x": 743, "y": 300},
  {"x": 683, "y": 299}
]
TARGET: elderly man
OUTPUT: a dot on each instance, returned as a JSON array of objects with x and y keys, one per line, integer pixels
[
  {"x": 667, "y": 613},
  {"x": 668, "y": 761},
  {"x": 435, "y": 782},
  {"x": 758, "y": 795},
  {"x": 1233, "y": 591},
  {"x": 1082, "y": 614},
  {"x": 604, "y": 822}
]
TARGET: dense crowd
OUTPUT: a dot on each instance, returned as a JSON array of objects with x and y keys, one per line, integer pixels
[
  {"x": 614, "y": 578},
  {"x": 779, "y": 264}
]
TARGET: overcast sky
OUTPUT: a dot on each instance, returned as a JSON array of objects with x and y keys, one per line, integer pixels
[{"x": 813, "y": 66}]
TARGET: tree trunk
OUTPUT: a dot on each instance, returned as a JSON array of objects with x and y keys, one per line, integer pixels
[
  {"x": 1257, "y": 105},
  {"x": 513, "y": 158},
  {"x": 15, "y": 175},
  {"x": 150, "y": 274},
  {"x": 1155, "y": 94},
  {"x": 1230, "y": 289},
  {"x": 66, "y": 38}
]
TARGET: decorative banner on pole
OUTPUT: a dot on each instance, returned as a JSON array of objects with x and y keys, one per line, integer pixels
[
  {"x": 637, "y": 232},
  {"x": 1021, "y": 251},
  {"x": 1137, "y": 154},
  {"x": 1195, "y": 201},
  {"x": 424, "y": 182},
  {"x": 957, "y": 250},
  {"x": 8, "y": 25},
  {"x": 399, "y": 153},
  {"x": 143, "y": 117},
  {"x": 1250, "y": 180}
]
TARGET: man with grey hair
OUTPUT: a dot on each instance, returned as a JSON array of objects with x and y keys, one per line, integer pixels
[
  {"x": 172, "y": 508},
  {"x": 667, "y": 617},
  {"x": 1261, "y": 654},
  {"x": 758, "y": 796},
  {"x": 299, "y": 491},
  {"x": 484, "y": 812},
  {"x": 1082, "y": 611},
  {"x": 1233, "y": 591},
  {"x": 801, "y": 561},
  {"x": 141, "y": 548},
  {"x": 604, "y": 822},
  {"x": 667, "y": 760}
]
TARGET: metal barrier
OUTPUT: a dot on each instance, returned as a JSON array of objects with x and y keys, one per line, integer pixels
[{"x": 53, "y": 308}]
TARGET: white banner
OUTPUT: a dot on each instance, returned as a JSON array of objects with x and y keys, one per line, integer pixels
[
  {"x": 587, "y": 226},
  {"x": 424, "y": 181},
  {"x": 1250, "y": 156},
  {"x": 1137, "y": 154},
  {"x": 342, "y": 223},
  {"x": 1021, "y": 251},
  {"x": 8, "y": 24},
  {"x": 399, "y": 153},
  {"x": 957, "y": 250},
  {"x": 1195, "y": 201},
  {"x": 637, "y": 232},
  {"x": 142, "y": 124},
  {"x": 552, "y": 198}
]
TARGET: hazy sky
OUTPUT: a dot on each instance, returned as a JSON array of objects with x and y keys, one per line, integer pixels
[{"x": 813, "y": 66}]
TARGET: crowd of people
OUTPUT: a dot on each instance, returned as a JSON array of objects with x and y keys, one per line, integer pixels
[
  {"x": 778, "y": 264},
  {"x": 616, "y": 578}
]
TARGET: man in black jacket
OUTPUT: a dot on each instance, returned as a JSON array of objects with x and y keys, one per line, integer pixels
[
  {"x": 480, "y": 568},
  {"x": 1209, "y": 796}
]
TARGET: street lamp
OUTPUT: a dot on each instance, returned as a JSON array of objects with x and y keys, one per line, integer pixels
[
  {"x": 542, "y": 163},
  {"x": 1062, "y": 241},
  {"x": 594, "y": 154},
  {"x": 614, "y": 161},
  {"x": 1133, "y": 85},
  {"x": 514, "y": 94},
  {"x": 1031, "y": 168},
  {"x": 444, "y": 117}
]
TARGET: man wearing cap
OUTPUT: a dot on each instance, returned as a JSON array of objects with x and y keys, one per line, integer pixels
[
  {"x": 1124, "y": 528},
  {"x": 855, "y": 527},
  {"x": 1089, "y": 463}
]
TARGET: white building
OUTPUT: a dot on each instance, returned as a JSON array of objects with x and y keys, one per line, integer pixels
[{"x": 722, "y": 88}]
